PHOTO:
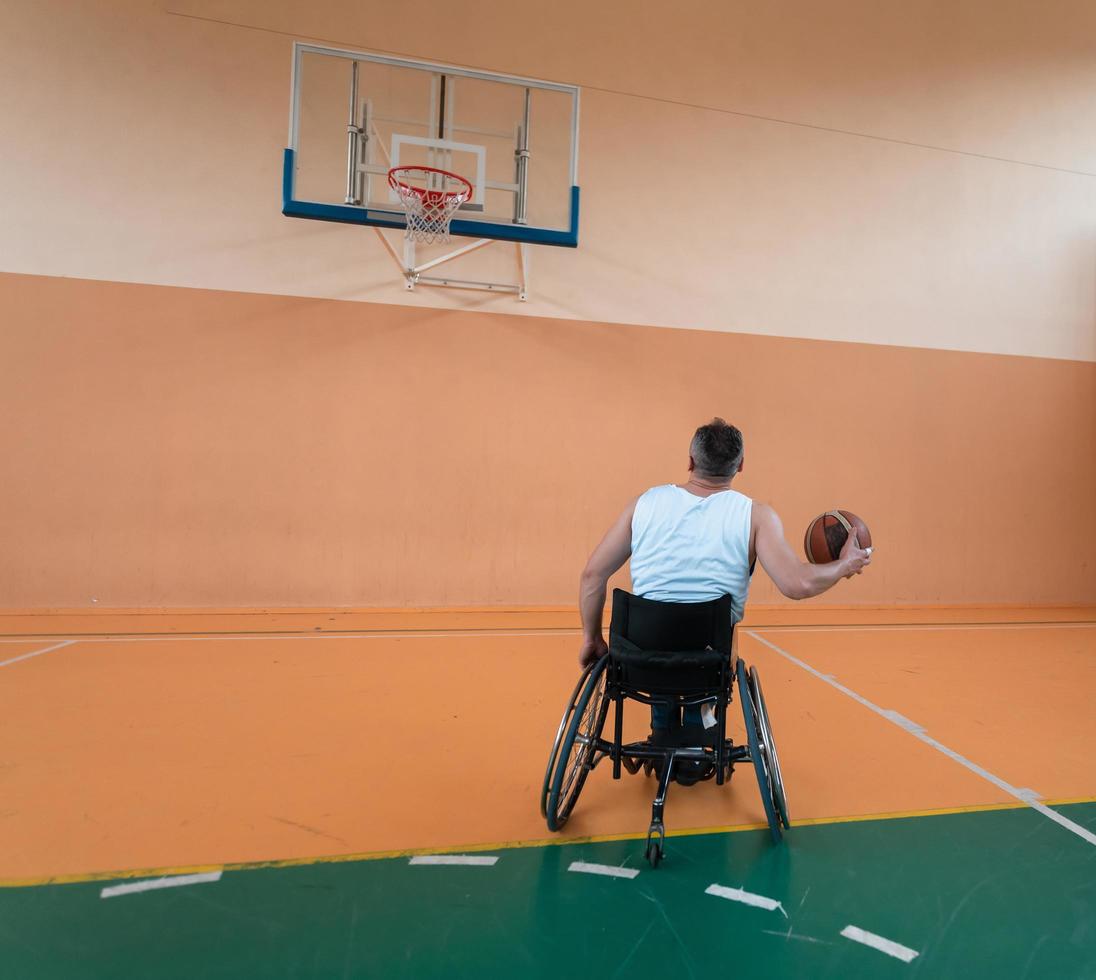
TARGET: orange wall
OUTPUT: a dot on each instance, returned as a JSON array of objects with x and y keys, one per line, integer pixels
[{"x": 187, "y": 447}]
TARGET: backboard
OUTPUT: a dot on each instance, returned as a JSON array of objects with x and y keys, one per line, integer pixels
[{"x": 354, "y": 116}]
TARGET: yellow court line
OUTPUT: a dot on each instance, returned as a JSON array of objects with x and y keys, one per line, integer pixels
[{"x": 502, "y": 845}]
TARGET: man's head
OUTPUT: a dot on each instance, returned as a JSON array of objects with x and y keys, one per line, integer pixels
[{"x": 716, "y": 451}]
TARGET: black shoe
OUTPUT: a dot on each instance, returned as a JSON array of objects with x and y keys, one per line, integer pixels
[
  {"x": 632, "y": 765},
  {"x": 690, "y": 771}
]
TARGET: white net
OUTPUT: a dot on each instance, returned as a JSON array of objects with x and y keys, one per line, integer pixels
[{"x": 429, "y": 207}]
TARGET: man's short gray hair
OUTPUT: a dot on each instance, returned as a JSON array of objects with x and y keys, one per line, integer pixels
[{"x": 716, "y": 449}]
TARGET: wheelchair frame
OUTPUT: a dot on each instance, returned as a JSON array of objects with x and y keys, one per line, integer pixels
[{"x": 579, "y": 745}]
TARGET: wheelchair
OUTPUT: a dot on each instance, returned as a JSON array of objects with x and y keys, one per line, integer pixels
[{"x": 678, "y": 655}]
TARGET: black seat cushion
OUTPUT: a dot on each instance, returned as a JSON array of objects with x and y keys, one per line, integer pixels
[{"x": 684, "y": 672}]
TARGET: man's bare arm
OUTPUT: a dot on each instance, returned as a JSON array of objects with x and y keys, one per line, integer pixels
[
  {"x": 796, "y": 579},
  {"x": 607, "y": 558}
]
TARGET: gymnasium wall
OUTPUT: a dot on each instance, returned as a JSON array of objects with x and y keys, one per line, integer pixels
[{"x": 892, "y": 290}]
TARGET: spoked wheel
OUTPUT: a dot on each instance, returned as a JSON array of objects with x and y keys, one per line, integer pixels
[
  {"x": 750, "y": 715},
  {"x": 768, "y": 745},
  {"x": 568, "y": 713},
  {"x": 573, "y": 754}
]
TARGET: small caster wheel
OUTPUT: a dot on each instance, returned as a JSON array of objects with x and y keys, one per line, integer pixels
[{"x": 656, "y": 838}]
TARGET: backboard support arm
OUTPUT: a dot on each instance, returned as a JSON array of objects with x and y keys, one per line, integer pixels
[{"x": 413, "y": 273}]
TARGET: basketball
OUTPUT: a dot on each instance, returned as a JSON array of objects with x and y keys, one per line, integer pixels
[{"x": 827, "y": 533}]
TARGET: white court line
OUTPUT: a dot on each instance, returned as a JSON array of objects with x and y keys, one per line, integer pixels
[
  {"x": 371, "y": 635},
  {"x": 795, "y": 935},
  {"x": 174, "y": 881},
  {"x": 746, "y": 898},
  {"x": 926, "y": 626},
  {"x": 609, "y": 870},
  {"x": 881, "y": 943},
  {"x": 1023, "y": 795},
  {"x": 37, "y": 653},
  {"x": 482, "y": 860}
]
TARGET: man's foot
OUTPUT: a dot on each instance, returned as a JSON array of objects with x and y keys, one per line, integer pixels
[{"x": 690, "y": 771}]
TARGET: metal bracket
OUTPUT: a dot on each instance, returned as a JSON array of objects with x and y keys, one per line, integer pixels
[{"x": 413, "y": 273}]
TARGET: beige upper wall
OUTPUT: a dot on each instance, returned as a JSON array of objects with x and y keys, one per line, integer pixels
[
  {"x": 1012, "y": 79},
  {"x": 148, "y": 149}
]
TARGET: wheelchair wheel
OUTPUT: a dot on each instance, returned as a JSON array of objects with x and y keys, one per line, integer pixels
[
  {"x": 546, "y": 788},
  {"x": 768, "y": 744},
  {"x": 753, "y": 734},
  {"x": 573, "y": 754}
]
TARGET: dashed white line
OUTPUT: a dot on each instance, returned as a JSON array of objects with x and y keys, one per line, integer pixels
[
  {"x": 746, "y": 898},
  {"x": 881, "y": 943},
  {"x": 37, "y": 653},
  {"x": 609, "y": 870},
  {"x": 151, "y": 884},
  {"x": 481, "y": 860}
]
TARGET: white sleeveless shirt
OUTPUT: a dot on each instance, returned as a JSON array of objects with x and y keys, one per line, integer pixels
[{"x": 687, "y": 548}]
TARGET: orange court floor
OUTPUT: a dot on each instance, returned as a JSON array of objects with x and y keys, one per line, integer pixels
[{"x": 143, "y": 742}]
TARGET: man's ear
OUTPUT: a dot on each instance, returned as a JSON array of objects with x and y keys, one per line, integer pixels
[
  {"x": 692, "y": 463},
  {"x": 741, "y": 463}
]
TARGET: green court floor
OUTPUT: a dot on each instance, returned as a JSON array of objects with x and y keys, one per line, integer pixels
[{"x": 1000, "y": 893}]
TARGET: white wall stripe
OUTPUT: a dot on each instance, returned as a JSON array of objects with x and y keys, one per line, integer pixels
[
  {"x": 609, "y": 870},
  {"x": 481, "y": 860},
  {"x": 746, "y": 898},
  {"x": 37, "y": 653},
  {"x": 881, "y": 943},
  {"x": 151, "y": 884},
  {"x": 544, "y": 631},
  {"x": 1028, "y": 796}
]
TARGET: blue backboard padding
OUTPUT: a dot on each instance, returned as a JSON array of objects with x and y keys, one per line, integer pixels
[{"x": 386, "y": 219}]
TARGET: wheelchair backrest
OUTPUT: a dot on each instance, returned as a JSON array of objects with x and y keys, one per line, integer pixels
[{"x": 673, "y": 647}]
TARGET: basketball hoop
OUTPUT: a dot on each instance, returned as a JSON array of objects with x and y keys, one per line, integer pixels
[{"x": 430, "y": 208}]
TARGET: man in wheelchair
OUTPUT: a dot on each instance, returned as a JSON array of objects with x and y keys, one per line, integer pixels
[{"x": 672, "y": 644}]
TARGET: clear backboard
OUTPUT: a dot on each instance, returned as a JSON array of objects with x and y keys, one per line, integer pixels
[{"x": 355, "y": 116}]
